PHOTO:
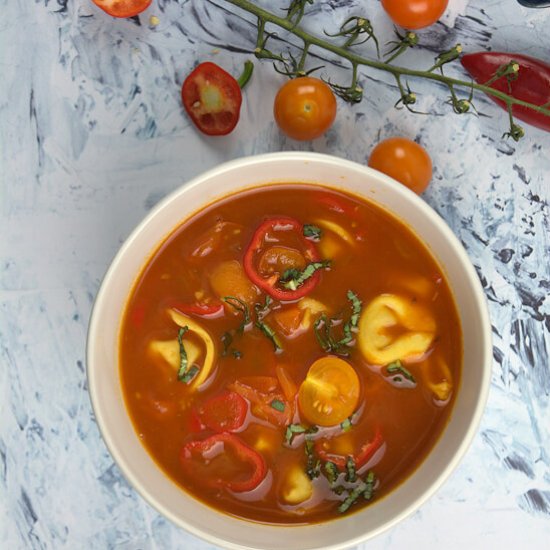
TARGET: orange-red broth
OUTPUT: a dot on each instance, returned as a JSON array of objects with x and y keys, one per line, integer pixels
[{"x": 383, "y": 256}]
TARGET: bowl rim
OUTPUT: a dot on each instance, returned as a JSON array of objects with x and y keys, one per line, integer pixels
[{"x": 307, "y": 157}]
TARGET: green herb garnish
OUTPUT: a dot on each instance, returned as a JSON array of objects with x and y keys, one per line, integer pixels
[
  {"x": 324, "y": 333},
  {"x": 331, "y": 472},
  {"x": 183, "y": 354},
  {"x": 397, "y": 367},
  {"x": 189, "y": 375},
  {"x": 270, "y": 333},
  {"x": 263, "y": 310},
  {"x": 351, "y": 474},
  {"x": 352, "y": 497},
  {"x": 369, "y": 482},
  {"x": 294, "y": 278},
  {"x": 346, "y": 425},
  {"x": 313, "y": 467},
  {"x": 292, "y": 430},
  {"x": 278, "y": 405},
  {"x": 312, "y": 232},
  {"x": 242, "y": 307}
]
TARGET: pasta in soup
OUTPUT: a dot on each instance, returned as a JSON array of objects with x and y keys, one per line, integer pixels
[{"x": 290, "y": 353}]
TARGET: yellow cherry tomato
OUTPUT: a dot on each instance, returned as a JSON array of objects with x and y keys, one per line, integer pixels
[{"x": 330, "y": 392}]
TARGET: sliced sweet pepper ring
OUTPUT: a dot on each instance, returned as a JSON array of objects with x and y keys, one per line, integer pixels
[
  {"x": 204, "y": 452},
  {"x": 202, "y": 309},
  {"x": 271, "y": 284},
  {"x": 210, "y": 349},
  {"x": 360, "y": 459},
  {"x": 377, "y": 338}
]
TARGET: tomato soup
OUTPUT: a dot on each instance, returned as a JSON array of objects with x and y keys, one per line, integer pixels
[{"x": 290, "y": 354}]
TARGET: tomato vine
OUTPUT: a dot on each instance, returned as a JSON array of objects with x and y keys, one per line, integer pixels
[{"x": 357, "y": 30}]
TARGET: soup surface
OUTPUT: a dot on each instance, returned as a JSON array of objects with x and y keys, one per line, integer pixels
[{"x": 290, "y": 353}]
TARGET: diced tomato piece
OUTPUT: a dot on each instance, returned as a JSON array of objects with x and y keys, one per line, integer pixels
[{"x": 223, "y": 413}]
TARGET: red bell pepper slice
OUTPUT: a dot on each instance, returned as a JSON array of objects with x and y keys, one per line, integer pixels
[
  {"x": 532, "y": 83},
  {"x": 197, "y": 459},
  {"x": 269, "y": 284},
  {"x": 212, "y": 98},
  {"x": 208, "y": 310},
  {"x": 223, "y": 413},
  {"x": 363, "y": 456}
]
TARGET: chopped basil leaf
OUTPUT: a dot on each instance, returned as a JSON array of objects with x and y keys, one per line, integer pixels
[
  {"x": 313, "y": 467},
  {"x": 263, "y": 310},
  {"x": 351, "y": 498},
  {"x": 292, "y": 430},
  {"x": 239, "y": 305},
  {"x": 356, "y": 306},
  {"x": 369, "y": 482},
  {"x": 236, "y": 354},
  {"x": 294, "y": 278},
  {"x": 270, "y": 333},
  {"x": 183, "y": 354},
  {"x": 397, "y": 367},
  {"x": 190, "y": 374},
  {"x": 331, "y": 472},
  {"x": 312, "y": 231},
  {"x": 278, "y": 405},
  {"x": 351, "y": 474},
  {"x": 326, "y": 339},
  {"x": 346, "y": 425}
]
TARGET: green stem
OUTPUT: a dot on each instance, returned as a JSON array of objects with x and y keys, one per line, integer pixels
[
  {"x": 308, "y": 39},
  {"x": 242, "y": 81}
]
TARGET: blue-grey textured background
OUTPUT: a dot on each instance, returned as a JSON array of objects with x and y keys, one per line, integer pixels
[{"x": 92, "y": 135}]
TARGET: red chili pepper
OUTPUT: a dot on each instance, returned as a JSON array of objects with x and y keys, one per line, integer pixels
[
  {"x": 268, "y": 284},
  {"x": 203, "y": 453},
  {"x": 212, "y": 98},
  {"x": 209, "y": 310},
  {"x": 532, "y": 83},
  {"x": 223, "y": 413},
  {"x": 365, "y": 453},
  {"x": 122, "y": 8}
]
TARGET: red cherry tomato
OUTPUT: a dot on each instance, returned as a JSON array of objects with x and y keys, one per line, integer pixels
[
  {"x": 403, "y": 160},
  {"x": 212, "y": 98},
  {"x": 123, "y": 8},
  {"x": 414, "y": 14},
  {"x": 305, "y": 108}
]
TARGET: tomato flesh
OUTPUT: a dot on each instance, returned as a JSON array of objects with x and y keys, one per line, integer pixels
[
  {"x": 224, "y": 413},
  {"x": 305, "y": 108},
  {"x": 212, "y": 99},
  {"x": 414, "y": 14},
  {"x": 403, "y": 160},
  {"x": 330, "y": 392},
  {"x": 122, "y": 8}
]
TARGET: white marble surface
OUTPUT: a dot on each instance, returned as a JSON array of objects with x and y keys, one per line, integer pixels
[{"x": 92, "y": 135}]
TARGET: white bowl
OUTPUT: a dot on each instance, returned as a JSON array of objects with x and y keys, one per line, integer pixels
[{"x": 102, "y": 354}]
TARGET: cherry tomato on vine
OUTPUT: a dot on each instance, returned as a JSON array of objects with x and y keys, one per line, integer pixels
[
  {"x": 403, "y": 160},
  {"x": 414, "y": 14},
  {"x": 212, "y": 98},
  {"x": 305, "y": 108},
  {"x": 123, "y": 8}
]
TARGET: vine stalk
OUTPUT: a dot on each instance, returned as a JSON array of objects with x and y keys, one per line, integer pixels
[{"x": 263, "y": 16}]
